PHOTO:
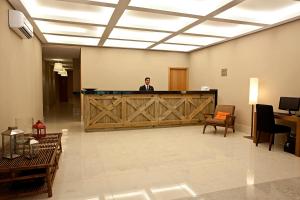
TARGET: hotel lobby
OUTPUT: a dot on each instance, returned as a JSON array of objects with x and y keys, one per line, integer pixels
[{"x": 150, "y": 100}]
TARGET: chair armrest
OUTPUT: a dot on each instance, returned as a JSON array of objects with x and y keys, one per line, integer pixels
[{"x": 230, "y": 117}]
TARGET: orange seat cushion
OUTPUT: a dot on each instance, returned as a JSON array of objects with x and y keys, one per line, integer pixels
[{"x": 221, "y": 115}]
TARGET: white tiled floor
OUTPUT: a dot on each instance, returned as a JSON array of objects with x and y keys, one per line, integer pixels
[{"x": 161, "y": 163}]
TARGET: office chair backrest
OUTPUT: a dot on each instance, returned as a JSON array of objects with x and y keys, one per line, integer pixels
[{"x": 265, "y": 118}]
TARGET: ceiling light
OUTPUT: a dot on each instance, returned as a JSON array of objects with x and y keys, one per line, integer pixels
[
  {"x": 69, "y": 29},
  {"x": 224, "y": 29},
  {"x": 71, "y": 40},
  {"x": 194, "y": 40},
  {"x": 58, "y": 67},
  {"x": 63, "y": 70},
  {"x": 127, "y": 44},
  {"x": 65, "y": 74},
  {"x": 266, "y": 12},
  {"x": 59, "y": 59},
  {"x": 120, "y": 33},
  {"x": 67, "y": 11},
  {"x": 138, "y": 19},
  {"x": 196, "y": 7},
  {"x": 175, "y": 47}
]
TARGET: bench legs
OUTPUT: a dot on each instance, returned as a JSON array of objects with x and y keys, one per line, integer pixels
[{"x": 49, "y": 182}]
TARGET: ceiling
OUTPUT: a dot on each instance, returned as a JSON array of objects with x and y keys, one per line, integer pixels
[
  {"x": 61, "y": 52},
  {"x": 171, "y": 25}
]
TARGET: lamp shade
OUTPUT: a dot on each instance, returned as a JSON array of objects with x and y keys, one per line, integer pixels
[
  {"x": 63, "y": 70},
  {"x": 253, "y": 91},
  {"x": 64, "y": 73},
  {"x": 57, "y": 67}
]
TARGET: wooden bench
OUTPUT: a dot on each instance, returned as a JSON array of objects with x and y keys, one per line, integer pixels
[{"x": 22, "y": 176}]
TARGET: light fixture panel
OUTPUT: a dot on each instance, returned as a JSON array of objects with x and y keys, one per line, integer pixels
[
  {"x": 263, "y": 11},
  {"x": 153, "y": 21},
  {"x": 127, "y": 44},
  {"x": 69, "y": 29},
  {"x": 195, "y": 7},
  {"x": 120, "y": 33},
  {"x": 71, "y": 40},
  {"x": 224, "y": 29},
  {"x": 194, "y": 40},
  {"x": 67, "y": 11},
  {"x": 175, "y": 47}
]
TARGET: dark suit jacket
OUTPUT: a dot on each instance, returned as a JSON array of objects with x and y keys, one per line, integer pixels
[{"x": 143, "y": 88}]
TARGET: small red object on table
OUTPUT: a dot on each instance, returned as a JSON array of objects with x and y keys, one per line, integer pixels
[{"x": 39, "y": 130}]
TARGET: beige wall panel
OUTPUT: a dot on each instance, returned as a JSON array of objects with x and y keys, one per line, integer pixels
[
  {"x": 20, "y": 74},
  {"x": 123, "y": 69},
  {"x": 272, "y": 56}
]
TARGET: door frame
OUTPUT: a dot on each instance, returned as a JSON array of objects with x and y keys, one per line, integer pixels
[{"x": 187, "y": 76}]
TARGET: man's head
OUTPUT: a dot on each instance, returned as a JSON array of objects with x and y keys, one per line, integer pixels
[{"x": 147, "y": 80}]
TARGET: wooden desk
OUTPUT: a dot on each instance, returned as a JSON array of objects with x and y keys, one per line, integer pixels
[{"x": 284, "y": 117}]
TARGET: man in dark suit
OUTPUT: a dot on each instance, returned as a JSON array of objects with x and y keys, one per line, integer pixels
[{"x": 147, "y": 86}]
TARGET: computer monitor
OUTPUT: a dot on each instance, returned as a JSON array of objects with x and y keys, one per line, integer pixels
[{"x": 289, "y": 103}]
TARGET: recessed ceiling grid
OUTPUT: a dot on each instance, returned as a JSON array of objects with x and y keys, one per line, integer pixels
[{"x": 172, "y": 25}]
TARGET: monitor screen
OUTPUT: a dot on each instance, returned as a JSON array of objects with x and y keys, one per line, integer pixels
[{"x": 289, "y": 103}]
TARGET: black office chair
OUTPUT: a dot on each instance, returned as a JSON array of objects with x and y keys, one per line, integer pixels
[{"x": 266, "y": 123}]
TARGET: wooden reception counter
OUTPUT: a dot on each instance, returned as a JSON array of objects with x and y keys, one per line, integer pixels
[{"x": 132, "y": 109}]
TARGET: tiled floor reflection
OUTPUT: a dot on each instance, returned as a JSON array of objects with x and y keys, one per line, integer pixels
[
  {"x": 173, "y": 192},
  {"x": 167, "y": 164},
  {"x": 287, "y": 189}
]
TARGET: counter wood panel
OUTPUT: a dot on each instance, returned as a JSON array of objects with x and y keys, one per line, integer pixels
[{"x": 113, "y": 111}]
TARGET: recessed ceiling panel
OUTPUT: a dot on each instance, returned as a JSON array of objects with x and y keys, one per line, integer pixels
[
  {"x": 175, "y": 47},
  {"x": 67, "y": 11},
  {"x": 71, "y": 40},
  {"x": 69, "y": 29},
  {"x": 120, "y": 33},
  {"x": 263, "y": 11},
  {"x": 196, "y": 7},
  {"x": 127, "y": 44},
  {"x": 194, "y": 40},
  {"x": 138, "y": 19},
  {"x": 224, "y": 29}
]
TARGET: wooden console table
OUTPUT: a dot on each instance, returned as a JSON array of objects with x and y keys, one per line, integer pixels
[{"x": 22, "y": 176}]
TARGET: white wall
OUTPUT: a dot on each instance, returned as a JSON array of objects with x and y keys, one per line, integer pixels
[
  {"x": 20, "y": 74},
  {"x": 123, "y": 69},
  {"x": 272, "y": 55}
]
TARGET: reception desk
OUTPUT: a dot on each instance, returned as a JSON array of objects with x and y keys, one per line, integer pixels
[{"x": 132, "y": 109}]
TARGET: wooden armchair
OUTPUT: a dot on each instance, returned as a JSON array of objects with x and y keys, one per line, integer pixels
[{"x": 223, "y": 116}]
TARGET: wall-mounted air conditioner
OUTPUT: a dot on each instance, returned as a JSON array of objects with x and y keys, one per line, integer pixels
[{"x": 19, "y": 23}]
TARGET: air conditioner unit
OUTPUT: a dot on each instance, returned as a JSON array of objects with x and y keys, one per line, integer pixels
[{"x": 19, "y": 23}]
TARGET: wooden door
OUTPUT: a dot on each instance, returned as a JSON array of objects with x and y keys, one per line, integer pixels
[
  {"x": 178, "y": 79},
  {"x": 62, "y": 88}
]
